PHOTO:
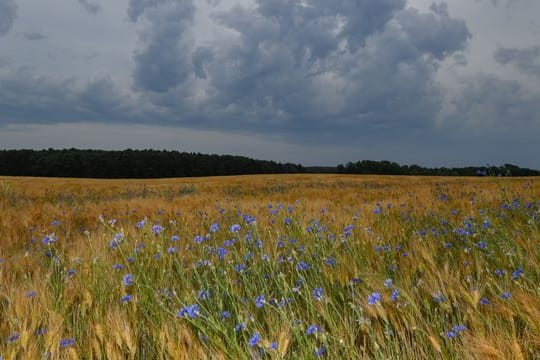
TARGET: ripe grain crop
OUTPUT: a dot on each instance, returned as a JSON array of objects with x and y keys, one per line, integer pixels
[{"x": 270, "y": 267}]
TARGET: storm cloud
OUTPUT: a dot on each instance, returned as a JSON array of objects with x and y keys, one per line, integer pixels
[
  {"x": 29, "y": 98},
  {"x": 165, "y": 59},
  {"x": 364, "y": 75},
  {"x": 319, "y": 69},
  {"x": 8, "y": 13},
  {"x": 526, "y": 60},
  {"x": 487, "y": 105},
  {"x": 34, "y": 36},
  {"x": 90, "y": 6}
]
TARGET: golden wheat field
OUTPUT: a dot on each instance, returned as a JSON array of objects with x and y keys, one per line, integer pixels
[{"x": 270, "y": 267}]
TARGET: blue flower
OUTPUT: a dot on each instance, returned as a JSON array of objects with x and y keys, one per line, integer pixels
[
  {"x": 118, "y": 266},
  {"x": 48, "y": 239},
  {"x": 234, "y": 228},
  {"x": 481, "y": 245},
  {"x": 329, "y": 261},
  {"x": 248, "y": 219},
  {"x": 273, "y": 345},
  {"x": 204, "y": 294},
  {"x": 199, "y": 239},
  {"x": 317, "y": 293},
  {"x": 374, "y": 298},
  {"x": 30, "y": 294},
  {"x": 113, "y": 244},
  {"x": 175, "y": 238},
  {"x": 347, "y": 231},
  {"x": 239, "y": 327},
  {"x": 300, "y": 266},
  {"x": 13, "y": 337},
  {"x": 127, "y": 280},
  {"x": 376, "y": 210},
  {"x": 40, "y": 331},
  {"x": 214, "y": 227},
  {"x": 483, "y": 301},
  {"x": 221, "y": 252},
  {"x": 191, "y": 311},
  {"x": 459, "y": 328},
  {"x": 254, "y": 339},
  {"x": 156, "y": 229},
  {"x": 517, "y": 273},
  {"x": 172, "y": 250},
  {"x": 320, "y": 351},
  {"x": 450, "y": 334},
  {"x": 388, "y": 283},
  {"x": 125, "y": 298},
  {"x": 505, "y": 295},
  {"x": 240, "y": 267},
  {"x": 313, "y": 329},
  {"x": 394, "y": 295},
  {"x": 225, "y": 315},
  {"x": 499, "y": 272},
  {"x": 64, "y": 343},
  {"x": 259, "y": 301}
]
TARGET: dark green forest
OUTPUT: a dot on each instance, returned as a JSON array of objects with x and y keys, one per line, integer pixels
[
  {"x": 132, "y": 164},
  {"x": 164, "y": 163},
  {"x": 392, "y": 168}
]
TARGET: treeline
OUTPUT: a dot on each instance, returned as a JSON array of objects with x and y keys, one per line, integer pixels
[
  {"x": 163, "y": 163},
  {"x": 392, "y": 168},
  {"x": 132, "y": 164}
]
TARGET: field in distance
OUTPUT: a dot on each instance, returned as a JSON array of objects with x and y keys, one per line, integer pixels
[{"x": 270, "y": 267}]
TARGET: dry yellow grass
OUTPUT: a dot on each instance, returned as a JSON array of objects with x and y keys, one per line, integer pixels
[{"x": 85, "y": 305}]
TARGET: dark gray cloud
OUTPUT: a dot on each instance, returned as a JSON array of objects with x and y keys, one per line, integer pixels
[
  {"x": 489, "y": 106},
  {"x": 201, "y": 57},
  {"x": 316, "y": 73},
  {"x": 321, "y": 71},
  {"x": 8, "y": 13},
  {"x": 90, "y": 6},
  {"x": 501, "y": 2},
  {"x": 437, "y": 33},
  {"x": 165, "y": 61},
  {"x": 26, "y": 97},
  {"x": 136, "y": 8},
  {"x": 526, "y": 60},
  {"x": 34, "y": 36}
]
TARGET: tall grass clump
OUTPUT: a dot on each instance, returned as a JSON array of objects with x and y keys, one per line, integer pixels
[{"x": 279, "y": 267}]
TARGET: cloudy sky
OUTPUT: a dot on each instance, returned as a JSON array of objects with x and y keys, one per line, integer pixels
[{"x": 309, "y": 81}]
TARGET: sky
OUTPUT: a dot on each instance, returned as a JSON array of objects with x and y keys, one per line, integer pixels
[{"x": 315, "y": 82}]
